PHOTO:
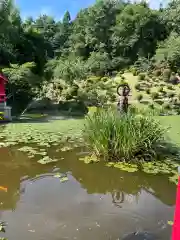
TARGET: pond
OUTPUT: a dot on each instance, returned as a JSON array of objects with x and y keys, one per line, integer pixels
[{"x": 96, "y": 202}]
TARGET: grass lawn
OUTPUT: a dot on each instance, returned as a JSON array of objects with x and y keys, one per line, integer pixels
[
  {"x": 49, "y": 132},
  {"x": 174, "y": 130}
]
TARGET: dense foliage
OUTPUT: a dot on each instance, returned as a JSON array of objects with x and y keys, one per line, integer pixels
[{"x": 106, "y": 37}]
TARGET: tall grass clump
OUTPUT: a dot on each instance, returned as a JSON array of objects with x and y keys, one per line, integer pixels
[{"x": 122, "y": 137}]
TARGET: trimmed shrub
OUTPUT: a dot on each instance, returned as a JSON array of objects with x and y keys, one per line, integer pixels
[
  {"x": 139, "y": 97},
  {"x": 170, "y": 87},
  {"x": 151, "y": 106},
  {"x": 170, "y": 94},
  {"x": 160, "y": 102},
  {"x": 93, "y": 79},
  {"x": 125, "y": 137},
  {"x": 161, "y": 89},
  {"x": 112, "y": 97},
  {"x": 154, "y": 95},
  {"x": 157, "y": 73},
  {"x": 138, "y": 86},
  {"x": 148, "y": 90},
  {"x": 164, "y": 93},
  {"x": 104, "y": 79},
  {"x": 154, "y": 79},
  {"x": 166, "y": 106},
  {"x": 134, "y": 71},
  {"x": 166, "y": 75},
  {"x": 147, "y": 78},
  {"x": 121, "y": 72},
  {"x": 160, "y": 78},
  {"x": 175, "y": 101},
  {"x": 141, "y": 76}
]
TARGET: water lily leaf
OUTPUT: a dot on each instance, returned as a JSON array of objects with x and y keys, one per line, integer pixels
[
  {"x": 64, "y": 149},
  {"x": 47, "y": 160},
  {"x": 89, "y": 159},
  {"x": 110, "y": 164},
  {"x": 2, "y": 227},
  {"x": 58, "y": 175},
  {"x": 170, "y": 223},
  {"x": 64, "y": 179}
]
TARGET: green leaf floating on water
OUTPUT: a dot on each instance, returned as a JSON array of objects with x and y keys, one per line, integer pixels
[
  {"x": 61, "y": 177},
  {"x": 170, "y": 223},
  {"x": 46, "y": 160},
  {"x": 32, "y": 151},
  {"x": 154, "y": 167},
  {"x": 66, "y": 148},
  {"x": 58, "y": 175},
  {"x": 64, "y": 179},
  {"x": 89, "y": 159},
  {"x": 174, "y": 178},
  {"x": 2, "y": 227},
  {"x": 123, "y": 166}
]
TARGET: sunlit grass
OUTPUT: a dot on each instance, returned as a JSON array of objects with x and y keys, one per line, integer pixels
[{"x": 125, "y": 137}]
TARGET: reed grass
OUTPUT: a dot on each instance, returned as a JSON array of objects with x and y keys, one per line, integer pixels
[{"x": 122, "y": 137}]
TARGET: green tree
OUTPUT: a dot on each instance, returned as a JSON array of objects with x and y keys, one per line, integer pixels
[
  {"x": 22, "y": 84},
  {"x": 169, "y": 51},
  {"x": 137, "y": 31}
]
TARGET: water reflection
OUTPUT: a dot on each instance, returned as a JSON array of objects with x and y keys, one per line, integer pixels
[
  {"x": 96, "y": 178},
  {"x": 101, "y": 202},
  {"x": 15, "y": 167},
  {"x": 117, "y": 198}
]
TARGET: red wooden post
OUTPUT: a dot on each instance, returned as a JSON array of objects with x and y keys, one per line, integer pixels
[
  {"x": 176, "y": 225},
  {"x": 3, "y": 82}
]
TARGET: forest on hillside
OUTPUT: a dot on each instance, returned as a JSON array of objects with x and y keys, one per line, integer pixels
[{"x": 103, "y": 39}]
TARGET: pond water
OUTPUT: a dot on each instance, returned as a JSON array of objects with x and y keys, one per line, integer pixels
[{"x": 96, "y": 202}]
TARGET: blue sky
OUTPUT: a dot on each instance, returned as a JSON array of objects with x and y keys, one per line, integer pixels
[{"x": 57, "y": 8}]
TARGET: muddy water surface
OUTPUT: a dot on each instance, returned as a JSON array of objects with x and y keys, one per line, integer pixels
[{"x": 96, "y": 202}]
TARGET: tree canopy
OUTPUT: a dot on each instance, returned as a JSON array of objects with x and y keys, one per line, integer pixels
[{"x": 107, "y": 36}]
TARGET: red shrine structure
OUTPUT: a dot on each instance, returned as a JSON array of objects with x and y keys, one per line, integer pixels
[
  {"x": 4, "y": 109},
  {"x": 3, "y": 81}
]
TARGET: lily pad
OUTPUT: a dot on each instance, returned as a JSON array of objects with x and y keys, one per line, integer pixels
[
  {"x": 126, "y": 167},
  {"x": 47, "y": 160},
  {"x": 66, "y": 148},
  {"x": 89, "y": 159},
  {"x": 2, "y": 227},
  {"x": 64, "y": 179},
  {"x": 61, "y": 177},
  {"x": 58, "y": 175},
  {"x": 170, "y": 223}
]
